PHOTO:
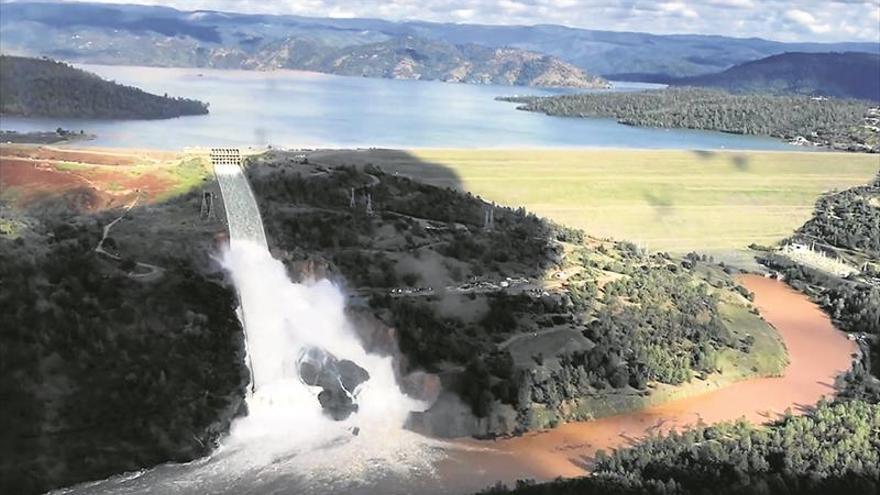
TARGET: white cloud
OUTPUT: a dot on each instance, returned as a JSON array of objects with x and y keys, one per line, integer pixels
[
  {"x": 679, "y": 8},
  {"x": 512, "y": 7},
  {"x": 341, "y": 12},
  {"x": 464, "y": 14},
  {"x": 874, "y": 12},
  {"x": 800, "y": 17},
  {"x": 564, "y": 4},
  {"x": 807, "y": 20},
  {"x": 737, "y": 4}
]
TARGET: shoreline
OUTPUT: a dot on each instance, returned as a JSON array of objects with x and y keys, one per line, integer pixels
[
  {"x": 568, "y": 450},
  {"x": 334, "y": 148}
]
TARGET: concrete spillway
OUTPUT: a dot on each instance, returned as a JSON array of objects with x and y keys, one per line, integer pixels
[
  {"x": 321, "y": 409},
  {"x": 243, "y": 219},
  {"x": 242, "y": 213}
]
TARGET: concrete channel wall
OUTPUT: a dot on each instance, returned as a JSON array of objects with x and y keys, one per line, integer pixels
[
  {"x": 242, "y": 213},
  {"x": 243, "y": 219}
]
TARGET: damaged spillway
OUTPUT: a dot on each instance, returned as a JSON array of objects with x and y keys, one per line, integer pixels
[
  {"x": 297, "y": 337},
  {"x": 272, "y": 342},
  {"x": 315, "y": 389}
]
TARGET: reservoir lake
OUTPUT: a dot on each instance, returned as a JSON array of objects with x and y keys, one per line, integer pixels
[{"x": 294, "y": 109}]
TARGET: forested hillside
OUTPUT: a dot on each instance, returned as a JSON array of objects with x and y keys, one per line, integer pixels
[
  {"x": 411, "y": 58},
  {"x": 45, "y": 88},
  {"x": 414, "y": 58},
  {"x": 832, "y": 449},
  {"x": 839, "y": 124},
  {"x": 469, "y": 303},
  {"x": 105, "y": 368},
  {"x": 848, "y": 219},
  {"x": 839, "y": 75}
]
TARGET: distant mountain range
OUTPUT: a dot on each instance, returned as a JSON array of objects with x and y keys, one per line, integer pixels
[
  {"x": 411, "y": 58},
  {"x": 134, "y": 34},
  {"x": 843, "y": 75},
  {"x": 45, "y": 88},
  {"x": 103, "y": 35}
]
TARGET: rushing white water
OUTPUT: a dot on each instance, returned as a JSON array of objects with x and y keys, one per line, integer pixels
[
  {"x": 283, "y": 318},
  {"x": 286, "y": 444}
]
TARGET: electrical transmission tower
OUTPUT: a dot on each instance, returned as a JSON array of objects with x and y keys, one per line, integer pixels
[
  {"x": 488, "y": 217},
  {"x": 207, "y": 210}
]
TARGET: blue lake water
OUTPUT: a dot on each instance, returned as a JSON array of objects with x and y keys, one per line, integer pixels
[{"x": 301, "y": 109}]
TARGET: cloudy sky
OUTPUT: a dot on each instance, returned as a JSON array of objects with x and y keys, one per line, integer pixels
[{"x": 800, "y": 20}]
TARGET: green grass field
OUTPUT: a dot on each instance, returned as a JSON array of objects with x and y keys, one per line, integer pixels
[{"x": 666, "y": 200}]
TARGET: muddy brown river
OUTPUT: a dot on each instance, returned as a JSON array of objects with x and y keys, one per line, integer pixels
[{"x": 818, "y": 353}]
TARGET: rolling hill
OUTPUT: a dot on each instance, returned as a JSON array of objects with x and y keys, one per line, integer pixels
[
  {"x": 44, "y": 88},
  {"x": 417, "y": 58},
  {"x": 842, "y": 75},
  {"x": 121, "y": 34}
]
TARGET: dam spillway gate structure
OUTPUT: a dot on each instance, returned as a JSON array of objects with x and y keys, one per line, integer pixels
[{"x": 242, "y": 214}]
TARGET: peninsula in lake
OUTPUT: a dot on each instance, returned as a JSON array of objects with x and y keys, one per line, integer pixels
[{"x": 45, "y": 88}]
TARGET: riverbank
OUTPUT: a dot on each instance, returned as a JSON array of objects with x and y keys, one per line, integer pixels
[
  {"x": 471, "y": 465},
  {"x": 818, "y": 353},
  {"x": 58, "y": 136}
]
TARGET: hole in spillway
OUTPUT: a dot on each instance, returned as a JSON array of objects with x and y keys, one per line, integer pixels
[{"x": 302, "y": 349}]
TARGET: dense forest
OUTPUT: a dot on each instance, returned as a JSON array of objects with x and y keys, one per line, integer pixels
[
  {"x": 840, "y": 124},
  {"x": 848, "y": 221},
  {"x": 632, "y": 320},
  {"x": 102, "y": 371},
  {"x": 633, "y": 345},
  {"x": 835, "y": 448},
  {"x": 45, "y": 88},
  {"x": 840, "y": 75}
]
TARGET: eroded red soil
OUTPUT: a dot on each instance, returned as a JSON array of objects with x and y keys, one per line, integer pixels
[{"x": 97, "y": 180}]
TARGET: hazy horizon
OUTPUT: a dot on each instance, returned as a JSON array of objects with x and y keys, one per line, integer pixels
[{"x": 804, "y": 21}]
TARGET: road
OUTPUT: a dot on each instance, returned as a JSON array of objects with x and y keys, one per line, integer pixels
[{"x": 152, "y": 272}]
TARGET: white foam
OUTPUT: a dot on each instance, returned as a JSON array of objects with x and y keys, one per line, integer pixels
[{"x": 285, "y": 417}]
